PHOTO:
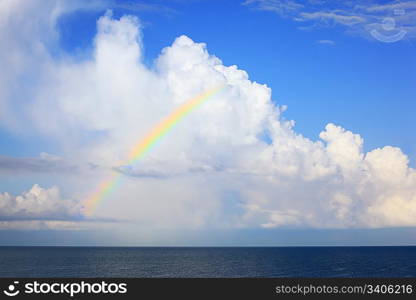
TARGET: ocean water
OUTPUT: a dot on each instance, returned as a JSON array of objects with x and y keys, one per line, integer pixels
[{"x": 208, "y": 262}]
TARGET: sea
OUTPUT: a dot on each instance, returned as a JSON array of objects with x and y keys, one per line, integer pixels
[{"x": 208, "y": 262}]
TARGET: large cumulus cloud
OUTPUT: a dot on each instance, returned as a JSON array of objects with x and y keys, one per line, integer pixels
[{"x": 233, "y": 162}]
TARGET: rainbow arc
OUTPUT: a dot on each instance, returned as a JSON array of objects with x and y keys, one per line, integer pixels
[{"x": 145, "y": 145}]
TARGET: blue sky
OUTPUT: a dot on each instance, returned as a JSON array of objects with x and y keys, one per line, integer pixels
[
  {"x": 372, "y": 93},
  {"x": 318, "y": 58}
]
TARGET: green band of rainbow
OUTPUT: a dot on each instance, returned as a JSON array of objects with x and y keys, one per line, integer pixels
[{"x": 146, "y": 144}]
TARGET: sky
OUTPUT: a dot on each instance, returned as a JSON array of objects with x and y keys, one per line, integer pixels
[{"x": 308, "y": 138}]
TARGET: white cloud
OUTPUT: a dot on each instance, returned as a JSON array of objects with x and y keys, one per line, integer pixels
[
  {"x": 27, "y": 33},
  {"x": 217, "y": 151},
  {"x": 38, "y": 204}
]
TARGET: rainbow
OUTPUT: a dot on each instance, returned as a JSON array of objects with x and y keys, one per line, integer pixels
[{"x": 145, "y": 145}]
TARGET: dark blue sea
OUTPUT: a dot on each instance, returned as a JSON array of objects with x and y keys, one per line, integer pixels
[{"x": 208, "y": 262}]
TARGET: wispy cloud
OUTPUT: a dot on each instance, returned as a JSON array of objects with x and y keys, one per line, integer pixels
[
  {"x": 141, "y": 6},
  {"x": 326, "y": 42},
  {"x": 282, "y": 7},
  {"x": 329, "y": 18},
  {"x": 44, "y": 163},
  {"x": 357, "y": 17}
]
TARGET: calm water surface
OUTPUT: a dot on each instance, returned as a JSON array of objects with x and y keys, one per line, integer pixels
[{"x": 208, "y": 262}]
